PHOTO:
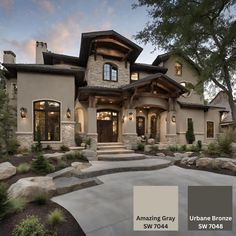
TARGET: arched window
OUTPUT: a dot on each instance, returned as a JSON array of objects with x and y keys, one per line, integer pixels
[
  {"x": 110, "y": 72},
  {"x": 47, "y": 120},
  {"x": 178, "y": 69}
]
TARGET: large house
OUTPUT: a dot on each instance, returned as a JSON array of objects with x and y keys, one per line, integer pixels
[{"x": 104, "y": 95}]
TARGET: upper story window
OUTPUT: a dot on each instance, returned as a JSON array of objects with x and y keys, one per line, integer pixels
[
  {"x": 210, "y": 129},
  {"x": 134, "y": 76},
  {"x": 110, "y": 72},
  {"x": 178, "y": 69}
]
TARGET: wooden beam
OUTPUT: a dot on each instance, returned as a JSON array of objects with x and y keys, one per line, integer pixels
[{"x": 112, "y": 41}]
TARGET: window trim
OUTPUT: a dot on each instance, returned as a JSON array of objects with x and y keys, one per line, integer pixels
[
  {"x": 60, "y": 120},
  {"x": 131, "y": 76},
  {"x": 110, "y": 76},
  {"x": 211, "y": 121},
  {"x": 181, "y": 67}
]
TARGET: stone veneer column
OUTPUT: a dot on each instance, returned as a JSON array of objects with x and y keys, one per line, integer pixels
[
  {"x": 170, "y": 128},
  {"x": 129, "y": 128},
  {"x": 92, "y": 127},
  {"x": 68, "y": 133}
]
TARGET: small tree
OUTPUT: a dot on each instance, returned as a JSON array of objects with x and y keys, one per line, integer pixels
[{"x": 190, "y": 132}]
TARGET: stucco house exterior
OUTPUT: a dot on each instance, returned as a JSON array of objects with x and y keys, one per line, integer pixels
[{"x": 103, "y": 94}]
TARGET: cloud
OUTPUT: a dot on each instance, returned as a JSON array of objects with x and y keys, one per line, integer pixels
[
  {"x": 6, "y": 4},
  {"x": 45, "y": 5}
]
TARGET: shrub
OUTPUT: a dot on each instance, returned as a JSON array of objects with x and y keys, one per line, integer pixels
[
  {"x": 56, "y": 217},
  {"x": 23, "y": 168},
  {"x": 154, "y": 149},
  {"x": 213, "y": 149},
  {"x": 173, "y": 148},
  {"x": 12, "y": 146},
  {"x": 30, "y": 226},
  {"x": 199, "y": 145},
  {"x": 3, "y": 200},
  {"x": 190, "y": 137},
  {"x": 42, "y": 165},
  {"x": 23, "y": 150},
  {"x": 41, "y": 199},
  {"x": 16, "y": 205},
  {"x": 62, "y": 164},
  {"x": 140, "y": 147},
  {"x": 36, "y": 148},
  {"x": 64, "y": 148},
  {"x": 78, "y": 139},
  {"x": 225, "y": 140},
  {"x": 183, "y": 148},
  {"x": 75, "y": 156}
]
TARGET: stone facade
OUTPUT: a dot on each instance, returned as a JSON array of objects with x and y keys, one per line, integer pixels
[
  {"x": 94, "y": 73},
  {"x": 68, "y": 133},
  {"x": 94, "y": 140},
  {"x": 130, "y": 140},
  {"x": 25, "y": 139}
]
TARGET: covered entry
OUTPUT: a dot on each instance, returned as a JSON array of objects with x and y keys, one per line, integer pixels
[{"x": 107, "y": 126}]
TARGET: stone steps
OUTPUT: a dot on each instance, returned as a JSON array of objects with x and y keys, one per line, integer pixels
[
  {"x": 111, "y": 147},
  {"x": 108, "y": 144},
  {"x": 114, "y": 151}
]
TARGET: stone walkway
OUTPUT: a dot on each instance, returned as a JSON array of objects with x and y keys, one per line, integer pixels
[{"x": 107, "y": 209}]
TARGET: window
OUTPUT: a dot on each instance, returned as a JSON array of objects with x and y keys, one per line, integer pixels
[
  {"x": 210, "y": 129},
  {"x": 134, "y": 76},
  {"x": 47, "y": 120},
  {"x": 178, "y": 69},
  {"x": 110, "y": 72}
]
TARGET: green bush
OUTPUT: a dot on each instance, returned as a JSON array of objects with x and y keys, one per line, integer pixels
[
  {"x": 36, "y": 148},
  {"x": 16, "y": 205},
  {"x": 88, "y": 141},
  {"x": 12, "y": 146},
  {"x": 173, "y": 148},
  {"x": 64, "y": 148},
  {"x": 213, "y": 149},
  {"x": 62, "y": 164},
  {"x": 190, "y": 137},
  {"x": 3, "y": 200},
  {"x": 75, "y": 156},
  {"x": 42, "y": 165},
  {"x": 23, "y": 168},
  {"x": 183, "y": 148},
  {"x": 56, "y": 217},
  {"x": 78, "y": 139},
  {"x": 199, "y": 145},
  {"x": 30, "y": 226},
  {"x": 41, "y": 199},
  {"x": 225, "y": 140},
  {"x": 140, "y": 147}
]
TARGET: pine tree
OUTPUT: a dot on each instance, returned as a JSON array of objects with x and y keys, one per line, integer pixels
[{"x": 190, "y": 132}]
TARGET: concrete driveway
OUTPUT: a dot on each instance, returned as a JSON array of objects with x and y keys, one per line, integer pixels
[{"x": 107, "y": 209}]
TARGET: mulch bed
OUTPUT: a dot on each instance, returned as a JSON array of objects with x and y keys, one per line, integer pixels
[
  {"x": 69, "y": 228},
  {"x": 218, "y": 171}
]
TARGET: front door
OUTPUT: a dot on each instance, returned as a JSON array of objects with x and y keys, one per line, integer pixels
[
  {"x": 140, "y": 123},
  {"x": 107, "y": 126}
]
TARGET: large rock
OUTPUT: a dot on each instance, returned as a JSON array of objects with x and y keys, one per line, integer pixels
[
  {"x": 233, "y": 147},
  {"x": 218, "y": 163},
  {"x": 89, "y": 154},
  {"x": 80, "y": 165},
  {"x": 160, "y": 154},
  {"x": 229, "y": 166},
  {"x": 151, "y": 141},
  {"x": 204, "y": 162},
  {"x": 7, "y": 170},
  {"x": 54, "y": 156},
  {"x": 31, "y": 187},
  {"x": 192, "y": 160}
]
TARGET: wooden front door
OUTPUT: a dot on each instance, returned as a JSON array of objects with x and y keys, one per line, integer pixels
[
  {"x": 140, "y": 125},
  {"x": 104, "y": 128}
]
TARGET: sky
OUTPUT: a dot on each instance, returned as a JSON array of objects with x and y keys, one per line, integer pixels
[{"x": 60, "y": 23}]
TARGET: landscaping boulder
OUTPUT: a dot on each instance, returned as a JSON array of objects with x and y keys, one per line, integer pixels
[
  {"x": 89, "y": 154},
  {"x": 31, "y": 187},
  {"x": 204, "y": 162},
  {"x": 7, "y": 170},
  {"x": 160, "y": 154},
  {"x": 184, "y": 160},
  {"x": 147, "y": 148},
  {"x": 54, "y": 156},
  {"x": 218, "y": 163},
  {"x": 229, "y": 166},
  {"x": 192, "y": 160},
  {"x": 233, "y": 147},
  {"x": 80, "y": 165},
  {"x": 151, "y": 141}
]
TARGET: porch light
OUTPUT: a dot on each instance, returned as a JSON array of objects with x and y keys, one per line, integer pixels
[
  {"x": 131, "y": 116},
  {"x": 173, "y": 118},
  {"x": 68, "y": 113},
  {"x": 23, "y": 112}
]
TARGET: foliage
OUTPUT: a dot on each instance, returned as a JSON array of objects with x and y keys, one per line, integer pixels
[
  {"x": 78, "y": 139},
  {"x": 30, "y": 226},
  {"x": 48, "y": 148},
  {"x": 62, "y": 164},
  {"x": 203, "y": 31},
  {"x": 41, "y": 199},
  {"x": 56, "y": 217},
  {"x": 23, "y": 168},
  {"x": 154, "y": 149},
  {"x": 213, "y": 149},
  {"x": 140, "y": 147},
  {"x": 42, "y": 165},
  {"x": 75, "y": 156},
  {"x": 88, "y": 141},
  {"x": 199, "y": 145},
  {"x": 7, "y": 122},
  {"x": 3, "y": 200},
  {"x": 13, "y": 146},
  {"x": 190, "y": 137},
  {"x": 225, "y": 140},
  {"x": 173, "y": 148},
  {"x": 64, "y": 148},
  {"x": 16, "y": 205},
  {"x": 183, "y": 148}
]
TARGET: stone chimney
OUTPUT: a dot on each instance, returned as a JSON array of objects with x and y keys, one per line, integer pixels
[
  {"x": 40, "y": 48},
  {"x": 9, "y": 57}
]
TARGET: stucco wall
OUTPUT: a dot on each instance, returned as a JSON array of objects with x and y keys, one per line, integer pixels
[
  {"x": 33, "y": 87},
  {"x": 189, "y": 74},
  {"x": 94, "y": 72}
]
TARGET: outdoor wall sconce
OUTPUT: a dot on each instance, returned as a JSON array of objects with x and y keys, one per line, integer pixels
[
  {"x": 23, "y": 112},
  {"x": 173, "y": 118},
  {"x": 123, "y": 119},
  {"x": 68, "y": 113},
  {"x": 131, "y": 116}
]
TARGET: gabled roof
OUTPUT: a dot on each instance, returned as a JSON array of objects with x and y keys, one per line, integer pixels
[
  {"x": 87, "y": 38},
  {"x": 148, "y": 68},
  {"x": 55, "y": 58},
  {"x": 164, "y": 57}
]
